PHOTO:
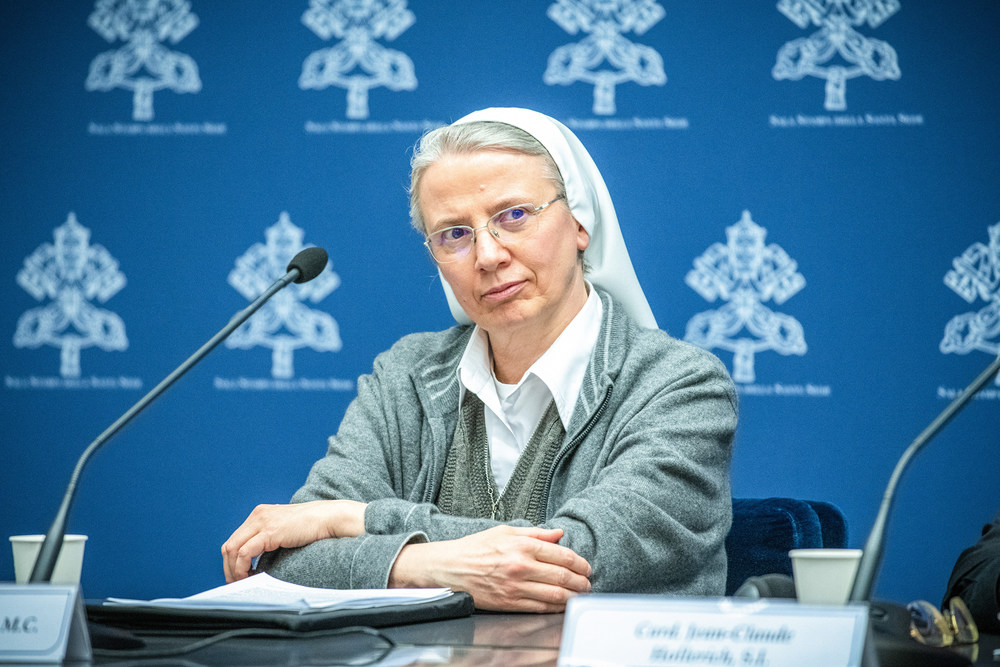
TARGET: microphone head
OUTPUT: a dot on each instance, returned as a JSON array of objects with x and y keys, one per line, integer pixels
[
  {"x": 310, "y": 263},
  {"x": 767, "y": 586}
]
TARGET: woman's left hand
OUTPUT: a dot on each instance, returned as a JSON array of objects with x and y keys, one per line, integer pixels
[
  {"x": 505, "y": 568},
  {"x": 272, "y": 526}
]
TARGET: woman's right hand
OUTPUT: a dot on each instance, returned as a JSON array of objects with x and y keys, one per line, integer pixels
[{"x": 270, "y": 527}]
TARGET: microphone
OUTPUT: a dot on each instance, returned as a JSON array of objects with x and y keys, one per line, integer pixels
[
  {"x": 767, "y": 586},
  {"x": 871, "y": 558},
  {"x": 309, "y": 263},
  {"x": 305, "y": 266}
]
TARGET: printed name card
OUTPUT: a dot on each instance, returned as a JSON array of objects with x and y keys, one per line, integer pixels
[
  {"x": 42, "y": 623},
  {"x": 641, "y": 631}
]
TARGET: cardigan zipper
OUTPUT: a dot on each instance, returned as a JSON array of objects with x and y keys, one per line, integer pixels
[{"x": 587, "y": 428}]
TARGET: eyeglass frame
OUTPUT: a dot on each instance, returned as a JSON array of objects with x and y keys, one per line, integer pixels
[
  {"x": 490, "y": 226},
  {"x": 934, "y": 627}
]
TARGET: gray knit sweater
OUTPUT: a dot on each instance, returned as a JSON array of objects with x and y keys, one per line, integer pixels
[{"x": 640, "y": 485}]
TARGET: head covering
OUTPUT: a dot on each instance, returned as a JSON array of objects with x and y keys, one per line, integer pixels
[{"x": 590, "y": 203}]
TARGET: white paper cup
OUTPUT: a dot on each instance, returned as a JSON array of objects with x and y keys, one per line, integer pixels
[
  {"x": 824, "y": 576},
  {"x": 69, "y": 564}
]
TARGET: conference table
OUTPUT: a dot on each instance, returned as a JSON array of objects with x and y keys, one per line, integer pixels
[{"x": 508, "y": 640}]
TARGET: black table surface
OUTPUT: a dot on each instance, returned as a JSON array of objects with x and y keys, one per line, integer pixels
[{"x": 510, "y": 640}]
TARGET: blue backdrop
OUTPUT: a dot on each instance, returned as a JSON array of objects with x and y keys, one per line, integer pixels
[{"x": 808, "y": 189}]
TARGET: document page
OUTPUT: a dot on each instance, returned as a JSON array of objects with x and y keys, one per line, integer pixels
[{"x": 262, "y": 591}]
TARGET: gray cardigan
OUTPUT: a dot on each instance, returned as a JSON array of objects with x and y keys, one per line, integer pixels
[{"x": 640, "y": 485}]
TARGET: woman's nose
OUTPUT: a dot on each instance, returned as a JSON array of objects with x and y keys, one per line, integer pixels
[{"x": 490, "y": 252}]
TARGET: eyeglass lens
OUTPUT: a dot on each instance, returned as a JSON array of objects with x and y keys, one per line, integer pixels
[{"x": 455, "y": 242}]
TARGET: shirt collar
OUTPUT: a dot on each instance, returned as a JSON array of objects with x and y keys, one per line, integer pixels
[
  {"x": 474, "y": 371},
  {"x": 564, "y": 364},
  {"x": 561, "y": 368}
]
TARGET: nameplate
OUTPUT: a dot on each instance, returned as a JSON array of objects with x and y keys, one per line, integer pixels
[
  {"x": 42, "y": 623},
  {"x": 651, "y": 630}
]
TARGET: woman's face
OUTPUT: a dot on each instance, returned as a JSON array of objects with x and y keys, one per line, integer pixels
[{"x": 530, "y": 287}]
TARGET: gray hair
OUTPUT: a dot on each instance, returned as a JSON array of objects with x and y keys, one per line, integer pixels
[{"x": 468, "y": 138}]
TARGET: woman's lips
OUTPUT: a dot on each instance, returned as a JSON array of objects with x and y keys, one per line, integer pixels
[{"x": 501, "y": 292}]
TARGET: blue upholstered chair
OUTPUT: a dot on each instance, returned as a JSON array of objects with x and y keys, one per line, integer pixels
[{"x": 764, "y": 529}]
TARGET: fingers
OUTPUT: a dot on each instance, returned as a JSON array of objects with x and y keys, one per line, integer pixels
[
  {"x": 553, "y": 581},
  {"x": 563, "y": 557},
  {"x": 548, "y": 550},
  {"x": 246, "y": 543},
  {"x": 542, "y": 547},
  {"x": 550, "y": 574},
  {"x": 541, "y": 592},
  {"x": 546, "y": 534},
  {"x": 544, "y": 598},
  {"x": 237, "y": 558}
]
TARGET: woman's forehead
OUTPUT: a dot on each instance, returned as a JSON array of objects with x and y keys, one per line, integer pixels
[
  {"x": 483, "y": 172},
  {"x": 491, "y": 157}
]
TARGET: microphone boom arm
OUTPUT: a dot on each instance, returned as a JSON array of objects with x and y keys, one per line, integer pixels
[
  {"x": 871, "y": 559},
  {"x": 52, "y": 544}
]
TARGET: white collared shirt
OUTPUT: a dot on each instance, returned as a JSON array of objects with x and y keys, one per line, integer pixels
[{"x": 514, "y": 411}]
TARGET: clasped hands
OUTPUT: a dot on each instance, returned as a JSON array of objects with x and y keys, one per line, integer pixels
[{"x": 505, "y": 568}]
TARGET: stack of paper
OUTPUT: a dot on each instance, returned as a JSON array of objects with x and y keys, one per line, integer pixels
[{"x": 264, "y": 592}]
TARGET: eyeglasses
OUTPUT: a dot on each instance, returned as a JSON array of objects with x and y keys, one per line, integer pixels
[
  {"x": 953, "y": 625},
  {"x": 510, "y": 225}
]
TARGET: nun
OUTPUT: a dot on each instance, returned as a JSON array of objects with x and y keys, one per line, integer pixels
[{"x": 553, "y": 442}]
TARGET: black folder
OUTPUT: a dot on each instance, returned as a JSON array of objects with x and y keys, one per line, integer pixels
[{"x": 196, "y": 622}]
